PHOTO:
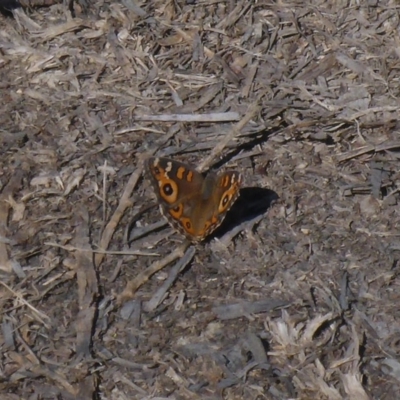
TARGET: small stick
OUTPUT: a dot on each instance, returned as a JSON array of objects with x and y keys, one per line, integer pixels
[
  {"x": 37, "y": 3},
  {"x": 227, "y": 238},
  {"x": 154, "y": 302},
  {"x": 54, "y": 374},
  {"x": 38, "y": 314},
  {"x": 133, "y": 285},
  {"x": 124, "y": 203},
  {"x": 251, "y": 112},
  {"x": 103, "y": 252},
  {"x": 211, "y": 117},
  {"x": 386, "y": 145},
  {"x": 8, "y": 191},
  {"x": 88, "y": 286}
]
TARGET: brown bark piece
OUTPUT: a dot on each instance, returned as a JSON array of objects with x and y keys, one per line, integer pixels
[{"x": 87, "y": 285}]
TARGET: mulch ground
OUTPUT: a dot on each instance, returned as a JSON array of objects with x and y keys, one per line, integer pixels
[{"x": 295, "y": 296}]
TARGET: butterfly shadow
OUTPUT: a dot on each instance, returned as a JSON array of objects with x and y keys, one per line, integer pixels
[{"x": 252, "y": 202}]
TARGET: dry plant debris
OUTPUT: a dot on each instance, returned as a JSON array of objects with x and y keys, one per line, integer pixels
[{"x": 296, "y": 297}]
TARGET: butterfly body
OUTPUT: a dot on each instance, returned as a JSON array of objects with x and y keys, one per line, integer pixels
[{"x": 193, "y": 204}]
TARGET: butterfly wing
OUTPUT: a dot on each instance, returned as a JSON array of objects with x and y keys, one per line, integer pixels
[
  {"x": 176, "y": 185},
  {"x": 219, "y": 192},
  {"x": 173, "y": 181},
  {"x": 194, "y": 205}
]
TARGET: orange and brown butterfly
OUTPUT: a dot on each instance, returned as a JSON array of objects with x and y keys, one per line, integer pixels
[{"x": 193, "y": 204}]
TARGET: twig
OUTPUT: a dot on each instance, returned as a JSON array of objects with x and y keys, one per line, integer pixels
[
  {"x": 211, "y": 117},
  {"x": 227, "y": 238},
  {"x": 145, "y": 230},
  {"x": 40, "y": 316},
  {"x": 188, "y": 37},
  {"x": 88, "y": 286},
  {"x": 38, "y": 3},
  {"x": 124, "y": 203},
  {"x": 55, "y": 375},
  {"x": 103, "y": 252},
  {"x": 252, "y": 111},
  {"x": 387, "y": 145},
  {"x": 154, "y": 302},
  {"x": 34, "y": 359},
  {"x": 133, "y": 285},
  {"x": 12, "y": 187}
]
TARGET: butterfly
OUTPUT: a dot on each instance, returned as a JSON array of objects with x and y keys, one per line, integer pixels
[{"x": 193, "y": 204}]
